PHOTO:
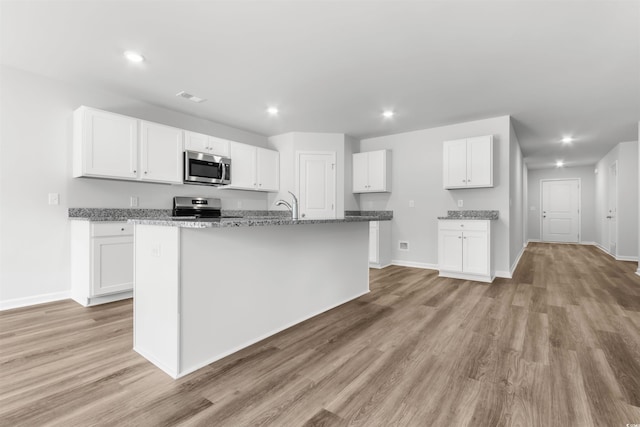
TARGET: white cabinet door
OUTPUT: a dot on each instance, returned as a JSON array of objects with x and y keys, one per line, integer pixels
[
  {"x": 196, "y": 142},
  {"x": 206, "y": 144},
  {"x": 268, "y": 170},
  {"x": 218, "y": 146},
  {"x": 317, "y": 185},
  {"x": 105, "y": 144},
  {"x": 243, "y": 166},
  {"x": 455, "y": 163},
  {"x": 374, "y": 241},
  {"x": 450, "y": 250},
  {"x": 377, "y": 170},
  {"x": 475, "y": 252},
  {"x": 161, "y": 153},
  {"x": 480, "y": 161},
  {"x": 112, "y": 264},
  {"x": 360, "y": 172}
]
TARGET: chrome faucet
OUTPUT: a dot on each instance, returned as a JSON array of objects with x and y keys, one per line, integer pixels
[{"x": 293, "y": 208}]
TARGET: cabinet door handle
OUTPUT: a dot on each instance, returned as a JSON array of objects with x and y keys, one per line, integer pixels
[
  {"x": 122, "y": 229},
  {"x": 459, "y": 237},
  {"x": 135, "y": 171},
  {"x": 464, "y": 180},
  {"x": 464, "y": 238},
  {"x": 145, "y": 172},
  {"x": 461, "y": 225}
]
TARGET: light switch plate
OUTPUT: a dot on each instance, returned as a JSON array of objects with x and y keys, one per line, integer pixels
[
  {"x": 460, "y": 203},
  {"x": 54, "y": 198},
  {"x": 133, "y": 201},
  {"x": 412, "y": 204}
]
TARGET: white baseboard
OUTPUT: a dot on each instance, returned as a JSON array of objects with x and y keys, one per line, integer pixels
[
  {"x": 533, "y": 241},
  {"x": 413, "y": 264},
  {"x": 503, "y": 274},
  {"x": 638, "y": 271},
  {"x": 37, "y": 299},
  {"x": 379, "y": 266},
  {"x": 626, "y": 258}
]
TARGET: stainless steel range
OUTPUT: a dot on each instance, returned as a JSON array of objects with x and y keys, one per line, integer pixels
[{"x": 198, "y": 207}]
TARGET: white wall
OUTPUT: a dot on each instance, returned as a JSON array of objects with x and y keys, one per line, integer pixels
[
  {"x": 290, "y": 143},
  {"x": 638, "y": 181},
  {"x": 626, "y": 154},
  {"x": 416, "y": 174},
  {"x": 36, "y": 116},
  {"x": 516, "y": 197},
  {"x": 587, "y": 198}
]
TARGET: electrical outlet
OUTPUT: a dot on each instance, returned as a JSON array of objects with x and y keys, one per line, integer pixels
[
  {"x": 460, "y": 203},
  {"x": 54, "y": 198},
  {"x": 133, "y": 201},
  {"x": 412, "y": 204},
  {"x": 239, "y": 204}
]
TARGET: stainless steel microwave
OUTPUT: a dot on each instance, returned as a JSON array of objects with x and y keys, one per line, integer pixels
[{"x": 206, "y": 169}]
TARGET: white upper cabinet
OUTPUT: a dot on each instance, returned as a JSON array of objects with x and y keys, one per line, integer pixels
[
  {"x": 254, "y": 168},
  {"x": 206, "y": 144},
  {"x": 268, "y": 170},
  {"x": 372, "y": 172},
  {"x": 104, "y": 144},
  {"x": 160, "y": 153},
  {"x": 108, "y": 145},
  {"x": 468, "y": 163}
]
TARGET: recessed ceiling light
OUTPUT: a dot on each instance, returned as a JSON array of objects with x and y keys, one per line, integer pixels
[
  {"x": 567, "y": 139},
  {"x": 273, "y": 111},
  {"x": 559, "y": 164},
  {"x": 387, "y": 114},
  {"x": 190, "y": 97},
  {"x": 133, "y": 56}
]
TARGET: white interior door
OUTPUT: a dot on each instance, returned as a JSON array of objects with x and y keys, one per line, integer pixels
[
  {"x": 317, "y": 184},
  {"x": 561, "y": 210},
  {"x": 612, "y": 208}
]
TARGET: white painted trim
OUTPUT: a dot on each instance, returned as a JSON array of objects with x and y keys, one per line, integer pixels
[
  {"x": 515, "y": 263},
  {"x": 533, "y": 241},
  {"x": 465, "y": 276},
  {"x": 638, "y": 271},
  {"x": 579, "y": 207},
  {"x": 379, "y": 266},
  {"x": 194, "y": 368},
  {"x": 503, "y": 274},
  {"x": 166, "y": 369},
  {"x": 33, "y": 300},
  {"x": 413, "y": 264},
  {"x": 626, "y": 258}
]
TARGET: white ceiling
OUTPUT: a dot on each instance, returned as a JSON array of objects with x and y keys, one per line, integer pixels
[{"x": 558, "y": 68}]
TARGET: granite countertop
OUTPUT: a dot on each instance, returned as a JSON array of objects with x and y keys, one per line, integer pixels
[
  {"x": 247, "y": 218},
  {"x": 471, "y": 214}
]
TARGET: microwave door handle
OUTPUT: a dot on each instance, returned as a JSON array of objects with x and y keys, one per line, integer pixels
[{"x": 223, "y": 175}]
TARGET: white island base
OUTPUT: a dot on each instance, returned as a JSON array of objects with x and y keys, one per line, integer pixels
[{"x": 201, "y": 294}]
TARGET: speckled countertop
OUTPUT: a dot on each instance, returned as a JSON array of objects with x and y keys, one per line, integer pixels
[
  {"x": 477, "y": 215},
  {"x": 248, "y": 218}
]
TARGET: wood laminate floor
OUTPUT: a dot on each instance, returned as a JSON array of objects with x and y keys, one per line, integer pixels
[{"x": 557, "y": 345}]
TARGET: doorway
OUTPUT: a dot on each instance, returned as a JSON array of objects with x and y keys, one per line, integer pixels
[
  {"x": 560, "y": 221},
  {"x": 317, "y": 184}
]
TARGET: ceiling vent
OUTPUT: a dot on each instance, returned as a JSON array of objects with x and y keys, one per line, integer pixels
[{"x": 190, "y": 97}]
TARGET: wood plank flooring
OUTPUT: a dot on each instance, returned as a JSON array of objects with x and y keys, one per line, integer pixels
[{"x": 557, "y": 345}]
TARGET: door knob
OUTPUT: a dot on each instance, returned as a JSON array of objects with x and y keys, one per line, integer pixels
[
  {"x": 544, "y": 216},
  {"x": 609, "y": 217}
]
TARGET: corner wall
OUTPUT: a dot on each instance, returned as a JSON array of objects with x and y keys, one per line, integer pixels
[{"x": 516, "y": 199}]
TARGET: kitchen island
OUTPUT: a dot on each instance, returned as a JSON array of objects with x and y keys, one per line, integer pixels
[{"x": 206, "y": 288}]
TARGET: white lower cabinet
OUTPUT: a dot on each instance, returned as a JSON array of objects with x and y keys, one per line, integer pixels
[
  {"x": 379, "y": 244},
  {"x": 464, "y": 249},
  {"x": 101, "y": 261}
]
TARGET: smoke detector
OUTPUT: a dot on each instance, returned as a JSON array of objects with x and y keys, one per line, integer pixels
[{"x": 190, "y": 97}]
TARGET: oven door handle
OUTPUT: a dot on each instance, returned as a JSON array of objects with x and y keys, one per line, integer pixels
[{"x": 223, "y": 176}]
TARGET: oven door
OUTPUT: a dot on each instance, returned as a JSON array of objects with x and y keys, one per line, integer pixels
[{"x": 200, "y": 168}]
